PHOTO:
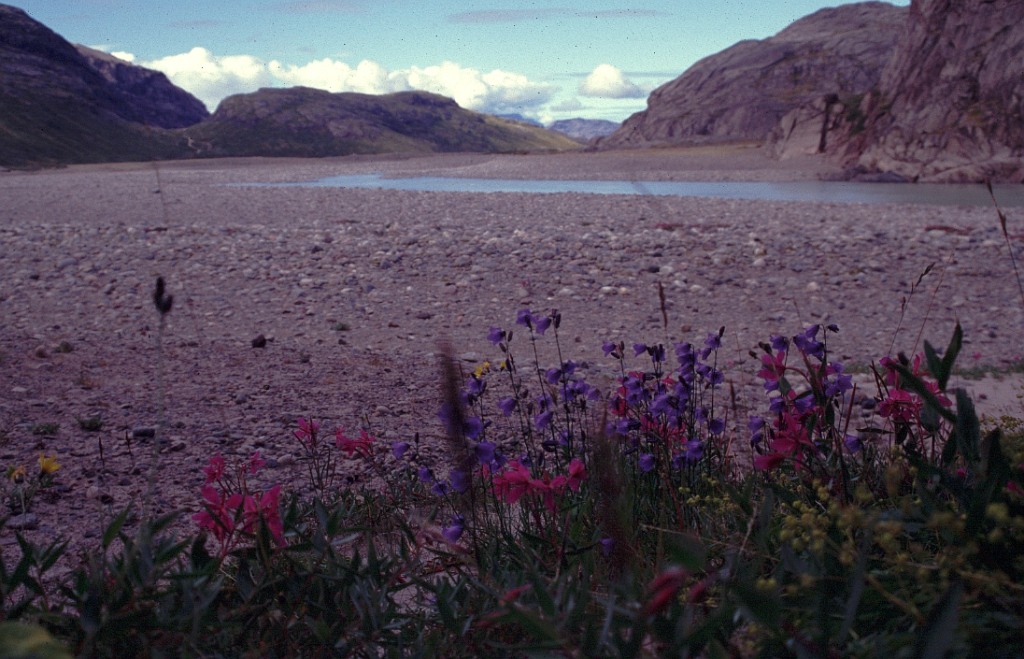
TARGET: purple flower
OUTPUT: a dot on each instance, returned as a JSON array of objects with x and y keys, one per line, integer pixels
[
  {"x": 453, "y": 532},
  {"x": 484, "y": 452},
  {"x": 779, "y": 343},
  {"x": 425, "y": 475},
  {"x": 833, "y": 328},
  {"x": 657, "y": 353},
  {"x": 756, "y": 426},
  {"x": 807, "y": 343},
  {"x": 711, "y": 344},
  {"x": 716, "y": 426},
  {"x": 524, "y": 317},
  {"x": 459, "y": 480},
  {"x": 543, "y": 420},
  {"x": 639, "y": 349},
  {"x": 610, "y": 348},
  {"x": 853, "y": 443},
  {"x": 646, "y": 462},
  {"x": 474, "y": 426},
  {"x": 607, "y": 545},
  {"x": 439, "y": 488},
  {"x": 694, "y": 450},
  {"x": 552, "y": 375},
  {"x": 541, "y": 324},
  {"x": 507, "y": 405},
  {"x": 495, "y": 335},
  {"x": 804, "y": 404},
  {"x": 398, "y": 449}
]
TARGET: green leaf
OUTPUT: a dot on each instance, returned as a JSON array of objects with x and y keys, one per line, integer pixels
[
  {"x": 114, "y": 528},
  {"x": 968, "y": 429}
]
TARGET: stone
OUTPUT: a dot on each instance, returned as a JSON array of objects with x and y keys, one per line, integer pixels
[{"x": 745, "y": 90}]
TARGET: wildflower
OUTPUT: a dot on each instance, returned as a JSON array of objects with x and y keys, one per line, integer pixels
[
  {"x": 541, "y": 324},
  {"x": 399, "y": 449},
  {"x": 360, "y": 445},
  {"x": 425, "y": 475},
  {"x": 807, "y": 343},
  {"x": 779, "y": 343},
  {"x": 543, "y": 420},
  {"x": 256, "y": 462},
  {"x": 768, "y": 461},
  {"x": 611, "y": 349},
  {"x": 453, "y": 532},
  {"x": 773, "y": 368},
  {"x": 663, "y": 589},
  {"x": 639, "y": 349},
  {"x": 646, "y": 462},
  {"x": 694, "y": 450},
  {"x": 507, "y": 405},
  {"x": 524, "y": 317},
  {"x": 214, "y": 469},
  {"x": 16, "y": 474},
  {"x": 484, "y": 452},
  {"x": 514, "y": 482},
  {"x": 607, "y": 545},
  {"x": 756, "y": 426},
  {"x": 307, "y": 432},
  {"x": 495, "y": 335},
  {"x": 716, "y": 426},
  {"x": 711, "y": 344},
  {"x": 459, "y": 480},
  {"x": 48, "y": 465},
  {"x": 853, "y": 443}
]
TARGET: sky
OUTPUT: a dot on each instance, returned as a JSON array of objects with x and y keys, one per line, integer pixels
[{"x": 543, "y": 60}]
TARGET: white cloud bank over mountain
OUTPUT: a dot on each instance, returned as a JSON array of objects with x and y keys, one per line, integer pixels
[
  {"x": 607, "y": 81},
  {"x": 212, "y": 77}
]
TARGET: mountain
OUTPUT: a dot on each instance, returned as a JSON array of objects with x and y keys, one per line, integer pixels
[
  {"x": 744, "y": 91},
  {"x": 949, "y": 105},
  {"x": 57, "y": 108},
  {"x": 305, "y": 122},
  {"x": 584, "y": 130},
  {"x": 145, "y": 96},
  {"x": 61, "y": 103}
]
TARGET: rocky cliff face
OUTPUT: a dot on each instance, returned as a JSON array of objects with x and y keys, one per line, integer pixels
[
  {"x": 950, "y": 105},
  {"x": 744, "y": 91},
  {"x": 145, "y": 96}
]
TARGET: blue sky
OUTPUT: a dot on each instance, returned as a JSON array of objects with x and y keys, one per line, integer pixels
[{"x": 546, "y": 60}]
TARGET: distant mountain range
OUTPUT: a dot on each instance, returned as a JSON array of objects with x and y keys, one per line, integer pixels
[
  {"x": 61, "y": 103},
  {"x": 926, "y": 93}
]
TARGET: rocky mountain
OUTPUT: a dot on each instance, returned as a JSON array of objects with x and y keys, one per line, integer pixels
[
  {"x": 145, "y": 96},
  {"x": 61, "y": 103},
  {"x": 584, "y": 130},
  {"x": 306, "y": 122},
  {"x": 950, "y": 104},
  {"x": 744, "y": 91},
  {"x": 57, "y": 108}
]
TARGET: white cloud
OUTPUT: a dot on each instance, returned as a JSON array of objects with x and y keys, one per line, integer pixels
[
  {"x": 120, "y": 54},
  {"x": 607, "y": 81},
  {"x": 211, "y": 78}
]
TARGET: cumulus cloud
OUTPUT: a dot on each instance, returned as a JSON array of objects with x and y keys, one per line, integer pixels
[
  {"x": 607, "y": 81},
  {"x": 211, "y": 78}
]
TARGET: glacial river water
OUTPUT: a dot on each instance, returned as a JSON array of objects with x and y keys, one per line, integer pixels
[{"x": 824, "y": 191}]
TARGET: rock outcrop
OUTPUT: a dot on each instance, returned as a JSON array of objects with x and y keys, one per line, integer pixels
[
  {"x": 744, "y": 91},
  {"x": 304, "y": 122},
  {"x": 143, "y": 95},
  {"x": 950, "y": 105}
]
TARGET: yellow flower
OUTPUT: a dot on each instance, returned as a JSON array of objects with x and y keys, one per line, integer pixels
[
  {"x": 16, "y": 474},
  {"x": 481, "y": 369},
  {"x": 48, "y": 465}
]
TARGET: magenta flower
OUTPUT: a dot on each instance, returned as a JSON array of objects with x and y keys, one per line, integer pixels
[
  {"x": 361, "y": 445},
  {"x": 214, "y": 470}
]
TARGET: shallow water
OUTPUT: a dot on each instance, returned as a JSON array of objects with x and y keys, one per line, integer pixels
[{"x": 825, "y": 191}]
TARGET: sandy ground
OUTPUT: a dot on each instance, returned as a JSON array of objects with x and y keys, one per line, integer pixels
[{"x": 354, "y": 289}]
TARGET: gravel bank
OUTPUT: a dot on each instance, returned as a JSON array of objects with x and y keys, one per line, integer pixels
[{"x": 353, "y": 289}]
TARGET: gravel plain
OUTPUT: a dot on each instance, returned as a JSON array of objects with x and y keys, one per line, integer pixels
[{"x": 353, "y": 289}]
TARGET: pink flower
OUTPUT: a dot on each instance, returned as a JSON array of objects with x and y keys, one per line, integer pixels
[
  {"x": 214, "y": 470},
  {"x": 361, "y": 445},
  {"x": 773, "y": 367},
  {"x": 307, "y": 432},
  {"x": 513, "y": 483},
  {"x": 256, "y": 462}
]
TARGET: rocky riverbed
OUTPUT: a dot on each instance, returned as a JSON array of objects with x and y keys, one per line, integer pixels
[{"x": 326, "y": 302}]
